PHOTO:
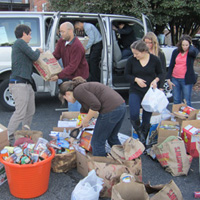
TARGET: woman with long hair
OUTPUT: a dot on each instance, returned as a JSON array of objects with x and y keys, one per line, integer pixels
[
  {"x": 181, "y": 76},
  {"x": 96, "y": 97},
  {"x": 143, "y": 70},
  {"x": 152, "y": 43}
]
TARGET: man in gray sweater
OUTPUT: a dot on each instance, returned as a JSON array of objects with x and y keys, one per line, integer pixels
[{"x": 20, "y": 84}]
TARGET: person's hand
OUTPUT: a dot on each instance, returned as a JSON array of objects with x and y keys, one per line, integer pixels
[
  {"x": 170, "y": 84},
  {"x": 54, "y": 78},
  {"x": 41, "y": 50},
  {"x": 141, "y": 82},
  {"x": 85, "y": 122},
  {"x": 153, "y": 84},
  {"x": 114, "y": 28}
]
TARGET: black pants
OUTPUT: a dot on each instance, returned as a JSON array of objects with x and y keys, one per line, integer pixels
[{"x": 95, "y": 57}]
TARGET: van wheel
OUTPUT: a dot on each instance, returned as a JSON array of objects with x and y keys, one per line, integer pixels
[{"x": 6, "y": 99}]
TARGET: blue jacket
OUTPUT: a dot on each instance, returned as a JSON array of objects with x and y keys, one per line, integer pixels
[{"x": 189, "y": 75}]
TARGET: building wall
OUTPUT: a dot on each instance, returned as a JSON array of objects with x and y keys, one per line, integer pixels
[{"x": 36, "y": 5}]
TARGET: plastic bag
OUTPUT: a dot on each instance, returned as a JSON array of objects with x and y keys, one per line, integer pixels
[
  {"x": 154, "y": 100},
  {"x": 88, "y": 188}
]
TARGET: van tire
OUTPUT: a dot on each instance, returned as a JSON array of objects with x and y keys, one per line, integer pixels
[{"x": 6, "y": 99}]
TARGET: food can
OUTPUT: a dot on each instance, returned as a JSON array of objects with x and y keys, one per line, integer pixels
[
  {"x": 18, "y": 152},
  {"x": 27, "y": 151},
  {"x": 45, "y": 154},
  {"x": 34, "y": 158},
  {"x": 12, "y": 158},
  {"x": 15, "y": 149},
  {"x": 25, "y": 160},
  {"x": 4, "y": 153},
  {"x": 127, "y": 177}
]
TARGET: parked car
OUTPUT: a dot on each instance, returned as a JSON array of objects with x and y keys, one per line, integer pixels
[{"x": 44, "y": 26}]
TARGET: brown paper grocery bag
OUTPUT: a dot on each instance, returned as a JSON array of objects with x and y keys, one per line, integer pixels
[
  {"x": 63, "y": 162},
  {"x": 110, "y": 170},
  {"x": 133, "y": 148},
  {"x": 47, "y": 66},
  {"x": 172, "y": 156},
  {"x": 129, "y": 191},
  {"x": 169, "y": 191}
]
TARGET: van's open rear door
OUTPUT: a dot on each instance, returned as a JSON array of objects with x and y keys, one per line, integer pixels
[
  {"x": 51, "y": 45},
  {"x": 147, "y": 24}
]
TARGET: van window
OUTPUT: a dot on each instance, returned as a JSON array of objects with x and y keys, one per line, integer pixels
[{"x": 8, "y": 25}]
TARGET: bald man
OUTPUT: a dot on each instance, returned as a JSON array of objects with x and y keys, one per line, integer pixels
[{"x": 72, "y": 53}]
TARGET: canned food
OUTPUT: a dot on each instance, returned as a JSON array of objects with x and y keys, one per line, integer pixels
[
  {"x": 196, "y": 195},
  {"x": 27, "y": 151},
  {"x": 15, "y": 149},
  {"x": 4, "y": 153},
  {"x": 12, "y": 158},
  {"x": 25, "y": 160},
  {"x": 34, "y": 158},
  {"x": 18, "y": 152},
  {"x": 10, "y": 149},
  {"x": 45, "y": 154}
]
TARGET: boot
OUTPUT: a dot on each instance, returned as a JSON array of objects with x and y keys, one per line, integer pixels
[
  {"x": 138, "y": 130},
  {"x": 145, "y": 130}
]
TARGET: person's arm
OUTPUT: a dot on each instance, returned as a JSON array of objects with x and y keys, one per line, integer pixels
[
  {"x": 91, "y": 35},
  {"x": 27, "y": 50},
  {"x": 163, "y": 66},
  {"x": 193, "y": 52},
  {"x": 131, "y": 77},
  {"x": 75, "y": 59},
  {"x": 125, "y": 31},
  {"x": 85, "y": 122}
]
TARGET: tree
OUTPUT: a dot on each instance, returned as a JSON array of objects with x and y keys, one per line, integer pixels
[{"x": 179, "y": 16}]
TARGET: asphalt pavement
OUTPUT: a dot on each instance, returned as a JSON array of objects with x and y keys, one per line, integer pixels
[{"x": 61, "y": 185}]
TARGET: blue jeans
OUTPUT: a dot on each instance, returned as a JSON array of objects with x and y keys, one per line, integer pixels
[
  {"x": 106, "y": 128},
  {"x": 181, "y": 91},
  {"x": 134, "y": 106},
  {"x": 126, "y": 53}
]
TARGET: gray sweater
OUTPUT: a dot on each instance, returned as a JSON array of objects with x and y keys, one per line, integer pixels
[{"x": 22, "y": 60}]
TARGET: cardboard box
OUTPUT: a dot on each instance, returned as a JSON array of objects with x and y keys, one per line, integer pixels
[
  {"x": 47, "y": 66},
  {"x": 3, "y": 137},
  {"x": 189, "y": 137},
  {"x": 82, "y": 161},
  {"x": 84, "y": 41},
  {"x": 165, "y": 133},
  {"x": 180, "y": 118}
]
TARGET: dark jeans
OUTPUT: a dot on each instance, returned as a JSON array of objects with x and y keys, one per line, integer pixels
[
  {"x": 126, "y": 53},
  {"x": 181, "y": 91},
  {"x": 106, "y": 128},
  {"x": 94, "y": 60},
  {"x": 134, "y": 106}
]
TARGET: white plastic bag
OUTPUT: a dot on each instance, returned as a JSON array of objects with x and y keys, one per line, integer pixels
[
  {"x": 88, "y": 188},
  {"x": 154, "y": 100}
]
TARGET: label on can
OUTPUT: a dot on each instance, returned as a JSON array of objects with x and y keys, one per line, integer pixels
[
  {"x": 25, "y": 160},
  {"x": 4, "y": 153}
]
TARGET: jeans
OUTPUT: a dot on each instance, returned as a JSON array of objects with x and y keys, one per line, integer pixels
[
  {"x": 107, "y": 128},
  {"x": 181, "y": 91},
  {"x": 134, "y": 106},
  {"x": 126, "y": 53}
]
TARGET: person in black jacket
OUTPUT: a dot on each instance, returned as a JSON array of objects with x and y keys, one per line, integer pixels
[
  {"x": 127, "y": 37},
  {"x": 152, "y": 43},
  {"x": 181, "y": 76},
  {"x": 143, "y": 70}
]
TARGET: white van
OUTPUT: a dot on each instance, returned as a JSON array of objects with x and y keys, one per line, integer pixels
[{"x": 44, "y": 26}]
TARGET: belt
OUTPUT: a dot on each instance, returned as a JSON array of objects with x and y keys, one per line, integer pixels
[{"x": 18, "y": 81}]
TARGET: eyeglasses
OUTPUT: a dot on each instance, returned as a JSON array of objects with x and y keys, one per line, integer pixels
[{"x": 149, "y": 42}]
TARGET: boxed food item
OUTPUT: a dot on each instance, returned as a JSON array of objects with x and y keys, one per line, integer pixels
[
  {"x": 183, "y": 112},
  {"x": 47, "y": 66},
  {"x": 166, "y": 129},
  {"x": 3, "y": 137},
  {"x": 191, "y": 134},
  {"x": 85, "y": 140}
]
